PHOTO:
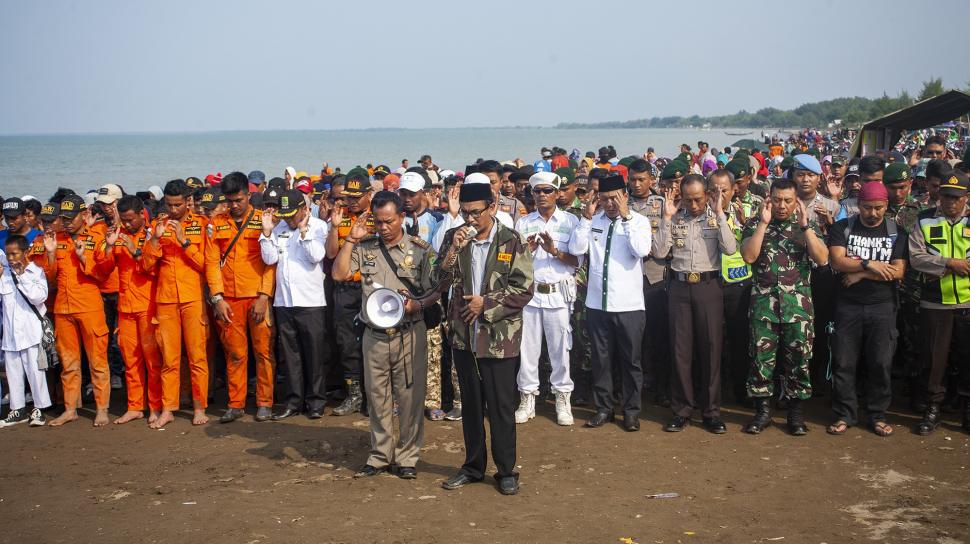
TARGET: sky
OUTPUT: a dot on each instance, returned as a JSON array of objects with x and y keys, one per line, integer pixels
[{"x": 180, "y": 66}]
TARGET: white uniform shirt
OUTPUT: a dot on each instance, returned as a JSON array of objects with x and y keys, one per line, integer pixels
[
  {"x": 546, "y": 268},
  {"x": 299, "y": 263},
  {"x": 615, "y": 261},
  {"x": 21, "y": 328},
  {"x": 450, "y": 222}
]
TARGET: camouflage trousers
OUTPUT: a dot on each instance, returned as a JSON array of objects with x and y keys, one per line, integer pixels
[
  {"x": 432, "y": 401},
  {"x": 581, "y": 354},
  {"x": 768, "y": 341},
  {"x": 907, "y": 359}
]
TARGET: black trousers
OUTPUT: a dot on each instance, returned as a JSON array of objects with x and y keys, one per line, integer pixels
[
  {"x": 115, "y": 362},
  {"x": 824, "y": 285},
  {"x": 346, "y": 306},
  {"x": 737, "y": 340},
  {"x": 697, "y": 310},
  {"x": 866, "y": 331},
  {"x": 655, "y": 347},
  {"x": 938, "y": 328},
  {"x": 615, "y": 338},
  {"x": 488, "y": 389},
  {"x": 303, "y": 346}
]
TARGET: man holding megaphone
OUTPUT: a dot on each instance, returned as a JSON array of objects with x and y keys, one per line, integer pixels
[{"x": 394, "y": 339}]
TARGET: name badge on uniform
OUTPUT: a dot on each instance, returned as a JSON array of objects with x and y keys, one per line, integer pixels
[
  {"x": 680, "y": 242},
  {"x": 505, "y": 257},
  {"x": 712, "y": 222},
  {"x": 966, "y": 232}
]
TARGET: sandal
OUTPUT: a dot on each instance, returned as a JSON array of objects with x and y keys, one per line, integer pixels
[
  {"x": 881, "y": 428},
  {"x": 436, "y": 415},
  {"x": 838, "y": 428}
]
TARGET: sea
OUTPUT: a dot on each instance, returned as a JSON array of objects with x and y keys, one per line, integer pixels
[{"x": 38, "y": 164}]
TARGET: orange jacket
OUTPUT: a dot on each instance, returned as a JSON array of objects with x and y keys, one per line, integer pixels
[
  {"x": 136, "y": 284},
  {"x": 110, "y": 283},
  {"x": 180, "y": 271},
  {"x": 344, "y": 228},
  {"x": 78, "y": 285},
  {"x": 244, "y": 274}
]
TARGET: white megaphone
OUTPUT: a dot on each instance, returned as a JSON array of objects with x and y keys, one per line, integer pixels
[{"x": 383, "y": 308}]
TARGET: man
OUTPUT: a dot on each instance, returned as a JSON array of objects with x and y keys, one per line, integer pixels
[
  {"x": 177, "y": 248},
  {"x": 742, "y": 172},
  {"x": 356, "y": 195},
  {"x": 548, "y": 231},
  {"x": 78, "y": 311},
  {"x": 240, "y": 289},
  {"x": 939, "y": 247},
  {"x": 870, "y": 252},
  {"x": 15, "y": 215},
  {"x": 617, "y": 240},
  {"x": 544, "y": 164},
  {"x": 258, "y": 179},
  {"x": 419, "y": 220},
  {"x": 781, "y": 301},
  {"x": 213, "y": 203},
  {"x": 296, "y": 246},
  {"x": 430, "y": 170},
  {"x": 490, "y": 275},
  {"x": 395, "y": 359},
  {"x": 934, "y": 148},
  {"x": 936, "y": 169},
  {"x": 851, "y": 183},
  {"x": 454, "y": 219},
  {"x": 695, "y": 234},
  {"x": 670, "y": 178},
  {"x": 511, "y": 206},
  {"x": 107, "y": 218}
]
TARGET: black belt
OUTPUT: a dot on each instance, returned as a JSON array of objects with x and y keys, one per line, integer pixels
[
  {"x": 348, "y": 284},
  {"x": 696, "y": 277},
  {"x": 393, "y": 330}
]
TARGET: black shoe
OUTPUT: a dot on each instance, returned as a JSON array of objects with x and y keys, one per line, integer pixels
[
  {"x": 289, "y": 412},
  {"x": 231, "y": 415},
  {"x": 353, "y": 402},
  {"x": 599, "y": 419},
  {"x": 715, "y": 425},
  {"x": 315, "y": 414},
  {"x": 931, "y": 420},
  {"x": 369, "y": 471},
  {"x": 407, "y": 473},
  {"x": 677, "y": 424},
  {"x": 264, "y": 413},
  {"x": 762, "y": 418},
  {"x": 631, "y": 423},
  {"x": 796, "y": 419},
  {"x": 508, "y": 485},
  {"x": 459, "y": 480}
]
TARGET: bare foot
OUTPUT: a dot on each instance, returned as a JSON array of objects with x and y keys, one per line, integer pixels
[
  {"x": 199, "y": 417},
  {"x": 101, "y": 418},
  {"x": 164, "y": 419},
  {"x": 130, "y": 415},
  {"x": 152, "y": 417},
  {"x": 67, "y": 417}
]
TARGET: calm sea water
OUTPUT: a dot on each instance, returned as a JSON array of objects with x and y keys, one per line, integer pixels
[{"x": 37, "y": 165}]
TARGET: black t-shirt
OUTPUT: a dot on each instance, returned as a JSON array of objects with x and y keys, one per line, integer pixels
[{"x": 873, "y": 244}]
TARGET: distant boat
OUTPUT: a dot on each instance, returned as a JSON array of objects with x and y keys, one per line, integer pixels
[{"x": 737, "y": 133}]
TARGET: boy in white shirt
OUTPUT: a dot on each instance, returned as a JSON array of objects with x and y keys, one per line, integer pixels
[{"x": 23, "y": 283}]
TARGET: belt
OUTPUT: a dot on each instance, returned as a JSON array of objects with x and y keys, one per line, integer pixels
[
  {"x": 546, "y": 288},
  {"x": 393, "y": 330},
  {"x": 348, "y": 284},
  {"x": 695, "y": 277}
]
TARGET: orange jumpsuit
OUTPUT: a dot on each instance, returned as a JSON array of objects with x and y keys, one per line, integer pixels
[
  {"x": 180, "y": 308},
  {"x": 136, "y": 330},
  {"x": 240, "y": 276},
  {"x": 79, "y": 317}
]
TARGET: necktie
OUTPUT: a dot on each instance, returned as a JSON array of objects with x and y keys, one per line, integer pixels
[{"x": 606, "y": 262}]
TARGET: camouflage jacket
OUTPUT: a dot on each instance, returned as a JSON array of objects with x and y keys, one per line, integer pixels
[
  {"x": 906, "y": 217},
  {"x": 582, "y": 272},
  {"x": 750, "y": 204},
  {"x": 507, "y": 289},
  {"x": 782, "y": 291}
]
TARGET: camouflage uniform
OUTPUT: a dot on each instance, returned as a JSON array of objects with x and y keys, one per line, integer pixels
[
  {"x": 580, "y": 357},
  {"x": 781, "y": 309},
  {"x": 907, "y": 360},
  {"x": 750, "y": 203},
  {"x": 759, "y": 187}
]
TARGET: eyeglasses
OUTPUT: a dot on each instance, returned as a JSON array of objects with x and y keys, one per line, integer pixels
[
  {"x": 543, "y": 190},
  {"x": 473, "y": 214}
]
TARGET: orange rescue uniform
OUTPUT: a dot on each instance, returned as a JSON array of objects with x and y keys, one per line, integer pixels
[{"x": 240, "y": 276}]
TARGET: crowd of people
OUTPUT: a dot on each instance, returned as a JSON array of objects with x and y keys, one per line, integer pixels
[{"x": 584, "y": 279}]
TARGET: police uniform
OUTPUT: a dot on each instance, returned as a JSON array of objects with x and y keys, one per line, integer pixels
[{"x": 736, "y": 281}]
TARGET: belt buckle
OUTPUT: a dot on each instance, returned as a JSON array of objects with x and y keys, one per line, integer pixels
[
  {"x": 544, "y": 288},
  {"x": 693, "y": 277},
  {"x": 391, "y": 332}
]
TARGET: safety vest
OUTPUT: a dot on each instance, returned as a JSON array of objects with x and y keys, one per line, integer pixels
[
  {"x": 733, "y": 267},
  {"x": 950, "y": 242}
]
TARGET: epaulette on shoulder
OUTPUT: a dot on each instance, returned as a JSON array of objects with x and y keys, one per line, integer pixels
[{"x": 418, "y": 241}]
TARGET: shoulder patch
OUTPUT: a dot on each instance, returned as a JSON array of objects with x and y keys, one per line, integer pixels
[{"x": 420, "y": 242}]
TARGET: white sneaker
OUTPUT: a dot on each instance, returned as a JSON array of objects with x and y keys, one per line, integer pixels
[
  {"x": 564, "y": 412},
  {"x": 37, "y": 418},
  {"x": 527, "y": 408}
]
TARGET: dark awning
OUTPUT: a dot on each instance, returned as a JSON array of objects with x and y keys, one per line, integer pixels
[{"x": 885, "y": 131}]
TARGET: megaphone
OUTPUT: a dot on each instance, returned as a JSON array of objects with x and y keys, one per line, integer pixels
[{"x": 383, "y": 308}]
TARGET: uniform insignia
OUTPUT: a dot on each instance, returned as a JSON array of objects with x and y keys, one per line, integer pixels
[
  {"x": 656, "y": 204},
  {"x": 193, "y": 230},
  {"x": 654, "y": 223},
  {"x": 420, "y": 242},
  {"x": 966, "y": 232},
  {"x": 712, "y": 222},
  {"x": 209, "y": 230},
  {"x": 505, "y": 257},
  {"x": 408, "y": 262},
  {"x": 370, "y": 256},
  {"x": 680, "y": 242},
  {"x": 370, "y": 263}
]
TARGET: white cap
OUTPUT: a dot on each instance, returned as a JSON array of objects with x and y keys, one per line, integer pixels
[
  {"x": 412, "y": 181},
  {"x": 89, "y": 198},
  {"x": 446, "y": 173},
  {"x": 545, "y": 178},
  {"x": 477, "y": 177},
  {"x": 29, "y": 197},
  {"x": 109, "y": 193},
  {"x": 400, "y": 171},
  {"x": 156, "y": 191}
]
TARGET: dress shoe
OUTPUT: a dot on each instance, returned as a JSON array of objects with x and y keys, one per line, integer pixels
[
  {"x": 930, "y": 421},
  {"x": 762, "y": 418},
  {"x": 715, "y": 425},
  {"x": 459, "y": 480},
  {"x": 289, "y": 412},
  {"x": 599, "y": 419},
  {"x": 407, "y": 473},
  {"x": 631, "y": 423},
  {"x": 369, "y": 471},
  {"x": 231, "y": 415},
  {"x": 677, "y": 424},
  {"x": 315, "y": 414},
  {"x": 508, "y": 485},
  {"x": 796, "y": 418},
  {"x": 264, "y": 413}
]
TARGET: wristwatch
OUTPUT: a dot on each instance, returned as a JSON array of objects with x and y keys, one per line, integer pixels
[
  {"x": 865, "y": 264},
  {"x": 186, "y": 243},
  {"x": 215, "y": 299},
  {"x": 136, "y": 254}
]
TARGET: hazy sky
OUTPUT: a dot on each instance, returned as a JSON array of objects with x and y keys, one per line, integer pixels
[{"x": 132, "y": 65}]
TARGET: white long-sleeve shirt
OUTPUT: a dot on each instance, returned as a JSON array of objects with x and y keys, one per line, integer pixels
[
  {"x": 299, "y": 263},
  {"x": 546, "y": 268},
  {"x": 616, "y": 251},
  {"x": 21, "y": 328}
]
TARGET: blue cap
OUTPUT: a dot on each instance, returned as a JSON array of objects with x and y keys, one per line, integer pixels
[
  {"x": 257, "y": 177},
  {"x": 807, "y": 162}
]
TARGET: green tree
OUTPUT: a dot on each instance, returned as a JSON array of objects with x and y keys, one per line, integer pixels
[{"x": 931, "y": 88}]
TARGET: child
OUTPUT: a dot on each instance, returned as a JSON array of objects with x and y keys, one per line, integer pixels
[{"x": 22, "y": 333}]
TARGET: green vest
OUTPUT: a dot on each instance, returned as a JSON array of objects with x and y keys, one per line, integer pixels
[
  {"x": 733, "y": 267},
  {"x": 950, "y": 242}
]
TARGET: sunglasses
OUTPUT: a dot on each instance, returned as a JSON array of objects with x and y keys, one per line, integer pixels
[{"x": 543, "y": 190}]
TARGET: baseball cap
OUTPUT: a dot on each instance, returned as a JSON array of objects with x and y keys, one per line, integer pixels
[
  {"x": 852, "y": 170},
  {"x": 277, "y": 183},
  {"x": 290, "y": 203},
  {"x": 211, "y": 198},
  {"x": 194, "y": 182},
  {"x": 956, "y": 184},
  {"x": 381, "y": 170},
  {"x": 271, "y": 197},
  {"x": 48, "y": 212},
  {"x": 71, "y": 206},
  {"x": 108, "y": 193},
  {"x": 304, "y": 185},
  {"x": 257, "y": 177},
  {"x": 214, "y": 179},
  {"x": 13, "y": 207},
  {"x": 357, "y": 182},
  {"x": 412, "y": 181}
]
